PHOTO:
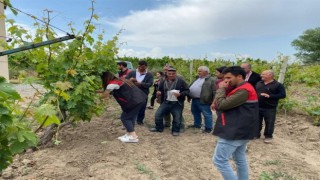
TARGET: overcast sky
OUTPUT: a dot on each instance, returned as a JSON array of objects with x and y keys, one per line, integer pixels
[{"x": 188, "y": 28}]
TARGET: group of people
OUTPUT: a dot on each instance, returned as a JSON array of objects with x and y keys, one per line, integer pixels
[{"x": 240, "y": 98}]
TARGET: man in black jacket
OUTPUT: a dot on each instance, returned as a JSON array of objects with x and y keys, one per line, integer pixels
[
  {"x": 144, "y": 80},
  {"x": 173, "y": 91},
  {"x": 251, "y": 76},
  {"x": 269, "y": 92}
]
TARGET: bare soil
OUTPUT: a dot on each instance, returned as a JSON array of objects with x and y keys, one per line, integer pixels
[{"x": 91, "y": 150}]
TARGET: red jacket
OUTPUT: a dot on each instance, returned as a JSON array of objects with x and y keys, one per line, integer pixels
[{"x": 241, "y": 122}]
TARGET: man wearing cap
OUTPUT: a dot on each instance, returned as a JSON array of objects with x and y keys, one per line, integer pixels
[
  {"x": 167, "y": 118},
  {"x": 144, "y": 80},
  {"x": 123, "y": 70},
  {"x": 173, "y": 91}
]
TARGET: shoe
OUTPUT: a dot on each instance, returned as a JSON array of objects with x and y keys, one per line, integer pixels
[
  {"x": 207, "y": 130},
  {"x": 257, "y": 137},
  {"x": 268, "y": 140},
  {"x": 150, "y": 107},
  {"x": 155, "y": 130},
  {"x": 140, "y": 123},
  {"x": 175, "y": 134},
  {"x": 193, "y": 126},
  {"x": 121, "y": 137},
  {"x": 129, "y": 139}
]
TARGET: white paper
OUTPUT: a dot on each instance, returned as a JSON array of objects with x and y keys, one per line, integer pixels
[{"x": 170, "y": 96}]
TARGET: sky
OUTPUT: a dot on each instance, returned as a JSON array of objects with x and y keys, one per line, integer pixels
[{"x": 188, "y": 29}]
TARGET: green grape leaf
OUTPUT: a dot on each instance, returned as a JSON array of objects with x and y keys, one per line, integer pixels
[
  {"x": 18, "y": 147},
  {"x": 30, "y": 136},
  {"x": 4, "y": 110},
  {"x": 63, "y": 85},
  {"x": 46, "y": 115},
  {"x": 5, "y": 88}
]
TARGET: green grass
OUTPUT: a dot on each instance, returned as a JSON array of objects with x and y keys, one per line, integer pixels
[
  {"x": 276, "y": 175},
  {"x": 272, "y": 162},
  {"x": 144, "y": 170}
]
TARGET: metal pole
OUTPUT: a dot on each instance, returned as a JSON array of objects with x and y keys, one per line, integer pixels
[
  {"x": 283, "y": 69},
  {"x": 32, "y": 46},
  {"x": 4, "y": 68}
]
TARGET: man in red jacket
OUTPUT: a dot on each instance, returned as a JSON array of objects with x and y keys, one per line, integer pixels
[{"x": 237, "y": 121}]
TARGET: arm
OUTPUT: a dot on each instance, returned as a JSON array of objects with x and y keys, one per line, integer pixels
[
  {"x": 224, "y": 103},
  {"x": 106, "y": 94},
  {"x": 148, "y": 81},
  {"x": 130, "y": 75},
  {"x": 213, "y": 87},
  {"x": 184, "y": 91},
  {"x": 281, "y": 93}
]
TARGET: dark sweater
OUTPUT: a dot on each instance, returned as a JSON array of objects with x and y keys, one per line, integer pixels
[{"x": 276, "y": 91}]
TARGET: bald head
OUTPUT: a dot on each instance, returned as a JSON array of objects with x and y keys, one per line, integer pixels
[
  {"x": 267, "y": 75},
  {"x": 246, "y": 67}
]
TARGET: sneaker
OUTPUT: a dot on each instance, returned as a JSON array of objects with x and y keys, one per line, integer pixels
[
  {"x": 267, "y": 140},
  {"x": 129, "y": 139},
  {"x": 193, "y": 126},
  {"x": 175, "y": 134},
  {"x": 140, "y": 123},
  {"x": 206, "y": 130},
  {"x": 121, "y": 137},
  {"x": 155, "y": 130}
]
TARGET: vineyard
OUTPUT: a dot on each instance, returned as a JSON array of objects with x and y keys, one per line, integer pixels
[{"x": 64, "y": 130}]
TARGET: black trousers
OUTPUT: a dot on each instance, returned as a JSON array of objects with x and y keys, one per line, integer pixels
[
  {"x": 142, "y": 110},
  {"x": 153, "y": 98},
  {"x": 268, "y": 115}
]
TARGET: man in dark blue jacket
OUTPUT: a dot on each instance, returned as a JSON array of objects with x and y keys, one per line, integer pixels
[{"x": 144, "y": 80}]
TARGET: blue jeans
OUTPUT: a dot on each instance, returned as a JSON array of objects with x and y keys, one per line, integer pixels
[
  {"x": 197, "y": 108},
  {"x": 175, "y": 108},
  {"x": 222, "y": 154}
]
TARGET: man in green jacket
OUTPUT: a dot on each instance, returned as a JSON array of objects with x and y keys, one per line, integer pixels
[{"x": 202, "y": 92}]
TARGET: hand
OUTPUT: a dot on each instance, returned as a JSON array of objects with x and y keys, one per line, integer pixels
[
  {"x": 176, "y": 94},
  {"x": 223, "y": 84},
  {"x": 265, "y": 95},
  {"x": 213, "y": 107},
  {"x": 99, "y": 91},
  {"x": 133, "y": 79},
  {"x": 137, "y": 83},
  {"x": 158, "y": 93}
]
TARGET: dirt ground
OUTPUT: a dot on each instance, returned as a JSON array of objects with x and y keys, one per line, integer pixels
[{"x": 92, "y": 151}]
